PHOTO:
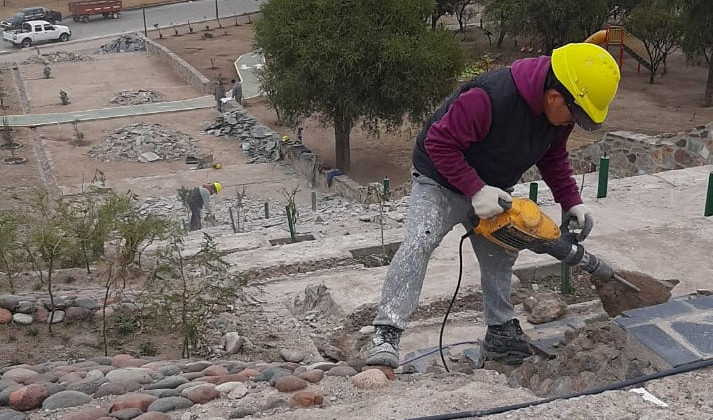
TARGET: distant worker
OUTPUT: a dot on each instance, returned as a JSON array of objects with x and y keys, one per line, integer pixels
[
  {"x": 219, "y": 95},
  {"x": 237, "y": 91},
  {"x": 199, "y": 198}
]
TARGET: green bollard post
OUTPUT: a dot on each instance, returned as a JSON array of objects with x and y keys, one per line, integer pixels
[
  {"x": 314, "y": 201},
  {"x": 267, "y": 211},
  {"x": 288, "y": 212},
  {"x": 709, "y": 197},
  {"x": 603, "y": 176},
  {"x": 387, "y": 185},
  {"x": 533, "y": 191},
  {"x": 565, "y": 286}
]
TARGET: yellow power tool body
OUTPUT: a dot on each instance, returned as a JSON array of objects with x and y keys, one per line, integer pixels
[
  {"x": 524, "y": 226},
  {"x": 519, "y": 226}
]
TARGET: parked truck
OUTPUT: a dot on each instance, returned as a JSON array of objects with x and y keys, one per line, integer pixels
[
  {"x": 81, "y": 10},
  {"x": 35, "y": 32}
]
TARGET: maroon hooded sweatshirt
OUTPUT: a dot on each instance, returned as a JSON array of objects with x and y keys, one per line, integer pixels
[{"x": 493, "y": 130}]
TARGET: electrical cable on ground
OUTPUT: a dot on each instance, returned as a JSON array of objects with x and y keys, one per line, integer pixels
[
  {"x": 610, "y": 387},
  {"x": 430, "y": 352},
  {"x": 453, "y": 299}
]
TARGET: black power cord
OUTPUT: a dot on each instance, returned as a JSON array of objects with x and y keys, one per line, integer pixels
[
  {"x": 453, "y": 299},
  {"x": 610, "y": 387}
]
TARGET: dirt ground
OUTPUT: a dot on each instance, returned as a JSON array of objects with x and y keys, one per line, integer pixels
[{"x": 670, "y": 105}]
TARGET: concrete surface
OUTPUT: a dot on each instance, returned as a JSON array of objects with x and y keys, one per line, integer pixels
[
  {"x": 37, "y": 120},
  {"x": 651, "y": 223}
]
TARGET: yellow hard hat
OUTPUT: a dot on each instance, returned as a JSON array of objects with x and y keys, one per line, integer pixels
[
  {"x": 285, "y": 139},
  {"x": 590, "y": 74},
  {"x": 218, "y": 166},
  {"x": 217, "y": 187}
]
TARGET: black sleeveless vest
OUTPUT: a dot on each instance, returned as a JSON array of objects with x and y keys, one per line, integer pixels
[{"x": 517, "y": 138}]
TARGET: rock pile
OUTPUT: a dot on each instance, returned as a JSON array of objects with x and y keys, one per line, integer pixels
[
  {"x": 256, "y": 140},
  {"x": 125, "y": 387},
  {"x": 145, "y": 143},
  {"x": 137, "y": 97},
  {"x": 56, "y": 57},
  {"x": 32, "y": 308},
  {"x": 125, "y": 43}
]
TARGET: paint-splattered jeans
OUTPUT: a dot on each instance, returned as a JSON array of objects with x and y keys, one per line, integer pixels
[{"x": 433, "y": 211}]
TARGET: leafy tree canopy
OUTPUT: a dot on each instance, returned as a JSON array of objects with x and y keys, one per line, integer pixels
[{"x": 355, "y": 60}]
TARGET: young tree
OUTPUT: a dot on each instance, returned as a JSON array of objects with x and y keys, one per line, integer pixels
[
  {"x": 698, "y": 38},
  {"x": 47, "y": 243},
  {"x": 440, "y": 9},
  {"x": 463, "y": 11},
  {"x": 10, "y": 250},
  {"x": 499, "y": 12},
  {"x": 348, "y": 62},
  {"x": 659, "y": 25}
]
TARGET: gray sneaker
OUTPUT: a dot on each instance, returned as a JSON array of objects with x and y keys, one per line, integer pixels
[
  {"x": 506, "y": 343},
  {"x": 385, "y": 349}
]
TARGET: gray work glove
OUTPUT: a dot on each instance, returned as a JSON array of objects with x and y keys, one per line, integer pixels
[
  {"x": 580, "y": 218},
  {"x": 486, "y": 202}
]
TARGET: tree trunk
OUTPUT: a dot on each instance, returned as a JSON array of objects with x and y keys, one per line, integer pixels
[
  {"x": 708, "y": 97},
  {"x": 501, "y": 34},
  {"x": 501, "y": 38},
  {"x": 341, "y": 145}
]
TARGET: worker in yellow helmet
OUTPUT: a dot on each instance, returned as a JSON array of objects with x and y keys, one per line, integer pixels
[
  {"x": 474, "y": 149},
  {"x": 198, "y": 199}
]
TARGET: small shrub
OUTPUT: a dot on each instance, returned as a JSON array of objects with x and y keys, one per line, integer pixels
[
  {"x": 147, "y": 348},
  {"x": 125, "y": 324}
]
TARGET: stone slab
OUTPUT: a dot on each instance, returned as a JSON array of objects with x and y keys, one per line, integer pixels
[
  {"x": 662, "y": 344},
  {"x": 646, "y": 314},
  {"x": 699, "y": 335},
  {"x": 702, "y": 302}
]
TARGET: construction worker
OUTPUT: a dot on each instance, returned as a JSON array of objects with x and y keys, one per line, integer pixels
[
  {"x": 237, "y": 91},
  {"x": 219, "y": 95},
  {"x": 474, "y": 149},
  {"x": 199, "y": 198}
]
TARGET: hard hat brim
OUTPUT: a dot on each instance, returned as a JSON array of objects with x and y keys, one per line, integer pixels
[{"x": 581, "y": 117}]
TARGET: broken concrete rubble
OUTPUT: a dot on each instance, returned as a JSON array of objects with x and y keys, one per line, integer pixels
[
  {"x": 125, "y": 43},
  {"x": 132, "y": 141},
  {"x": 256, "y": 140},
  {"x": 56, "y": 57},
  {"x": 137, "y": 97}
]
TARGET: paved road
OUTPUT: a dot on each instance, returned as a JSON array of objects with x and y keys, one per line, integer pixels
[{"x": 163, "y": 16}]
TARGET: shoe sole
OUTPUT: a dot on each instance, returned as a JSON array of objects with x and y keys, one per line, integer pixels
[
  {"x": 507, "y": 358},
  {"x": 382, "y": 359}
]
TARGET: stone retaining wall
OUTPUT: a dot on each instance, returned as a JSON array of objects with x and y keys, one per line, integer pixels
[
  {"x": 307, "y": 164},
  {"x": 179, "y": 65},
  {"x": 632, "y": 154}
]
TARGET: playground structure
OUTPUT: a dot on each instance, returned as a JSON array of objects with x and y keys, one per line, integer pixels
[{"x": 618, "y": 35}]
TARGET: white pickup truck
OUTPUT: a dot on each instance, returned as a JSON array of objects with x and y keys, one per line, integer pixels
[{"x": 37, "y": 31}]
